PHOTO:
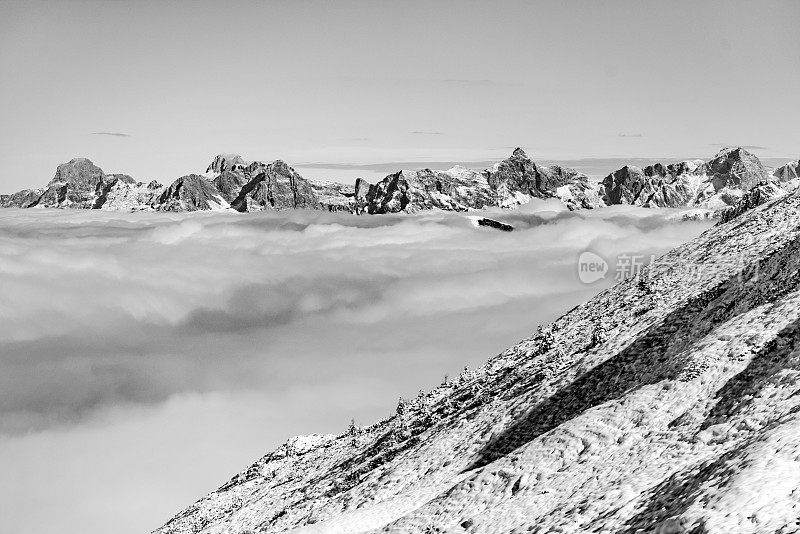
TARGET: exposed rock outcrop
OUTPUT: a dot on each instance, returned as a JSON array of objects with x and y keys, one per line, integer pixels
[
  {"x": 191, "y": 193},
  {"x": 227, "y": 162},
  {"x": 758, "y": 195},
  {"x": 457, "y": 189},
  {"x": 788, "y": 172},
  {"x": 229, "y": 184},
  {"x": 491, "y": 223},
  {"x": 511, "y": 182},
  {"x": 27, "y": 198},
  {"x": 657, "y": 185},
  {"x": 334, "y": 196},
  {"x": 275, "y": 186},
  {"x": 230, "y": 181},
  {"x": 120, "y": 192},
  {"x": 714, "y": 185},
  {"x": 74, "y": 185},
  {"x": 735, "y": 168},
  {"x": 520, "y": 174}
]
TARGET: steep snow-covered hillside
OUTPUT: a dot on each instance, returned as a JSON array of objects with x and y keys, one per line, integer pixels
[{"x": 668, "y": 403}]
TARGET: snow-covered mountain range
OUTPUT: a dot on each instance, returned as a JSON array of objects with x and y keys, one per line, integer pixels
[
  {"x": 668, "y": 403},
  {"x": 231, "y": 183}
]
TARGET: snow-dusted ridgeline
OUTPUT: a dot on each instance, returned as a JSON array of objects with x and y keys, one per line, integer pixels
[{"x": 231, "y": 183}]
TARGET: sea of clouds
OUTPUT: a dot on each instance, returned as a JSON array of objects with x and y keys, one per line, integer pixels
[{"x": 146, "y": 358}]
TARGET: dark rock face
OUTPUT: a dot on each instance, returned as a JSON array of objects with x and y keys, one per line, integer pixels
[
  {"x": 121, "y": 192},
  {"x": 491, "y": 223},
  {"x": 27, "y": 198},
  {"x": 227, "y": 162},
  {"x": 229, "y": 183},
  {"x": 624, "y": 186},
  {"x": 74, "y": 184},
  {"x": 360, "y": 193},
  {"x": 54, "y": 196},
  {"x": 254, "y": 186},
  {"x": 657, "y": 186},
  {"x": 389, "y": 195},
  {"x": 788, "y": 172},
  {"x": 124, "y": 178},
  {"x": 716, "y": 184},
  {"x": 511, "y": 182},
  {"x": 520, "y": 173},
  {"x": 455, "y": 190},
  {"x": 758, "y": 195},
  {"x": 189, "y": 193},
  {"x": 735, "y": 167},
  {"x": 251, "y": 168},
  {"x": 275, "y": 186}
]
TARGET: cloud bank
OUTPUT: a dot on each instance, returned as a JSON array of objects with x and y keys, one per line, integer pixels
[{"x": 135, "y": 347}]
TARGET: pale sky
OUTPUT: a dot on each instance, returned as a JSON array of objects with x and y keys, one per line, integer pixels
[{"x": 347, "y": 82}]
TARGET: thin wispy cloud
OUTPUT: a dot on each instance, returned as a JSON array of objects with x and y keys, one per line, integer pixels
[
  {"x": 477, "y": 82},
  {"x": 746, "y": 147},
  {"x": 112, "y": 134}
]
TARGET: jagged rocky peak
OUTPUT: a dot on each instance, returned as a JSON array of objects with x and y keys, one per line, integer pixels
[
  {"x": 74, "y": 185},
  {"x": 27, "y": 198},
  {"x": 658, "y": 185},
  {"x": 788, "y": 172},
  {"x": 121, "y": 192},
  {"x": 253, "y": 166},
  {"x": 519, "y": 153},
  {"x": 758, "y": 195},
  {"x": 672, "y": 170},
  {"x": 78, "y": 171},
  {"x": 518, "y": 179},
  {"x": 624, "y": 186},
  {"x": 513, "y": 181},
  {"x": 120, "y": 177},
  {"x": 233, "y": 182},
  {"x": 275, "y": 186},
  {"x": 191, "y": 193},
  {"x": 735, "y": 168},
  {"x": 227, "y": 162},
  {"x": 229, "y": 183},
  {"x": 714, "y": 185}
]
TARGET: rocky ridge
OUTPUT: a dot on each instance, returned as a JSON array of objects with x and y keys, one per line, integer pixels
[
  {"x": 669, "y": 403},
  {"x": 722, "y": 184}
]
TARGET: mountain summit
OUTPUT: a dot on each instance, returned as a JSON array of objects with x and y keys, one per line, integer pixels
[
  {"x": 231, "y": 183},
  {"x": 668, "y": 403}
]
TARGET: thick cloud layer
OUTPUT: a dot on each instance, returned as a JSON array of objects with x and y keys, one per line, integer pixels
[{"x": 144, "y": 357}]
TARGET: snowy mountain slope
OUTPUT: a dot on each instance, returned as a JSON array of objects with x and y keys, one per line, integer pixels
[{"x": 668, "y": 403}]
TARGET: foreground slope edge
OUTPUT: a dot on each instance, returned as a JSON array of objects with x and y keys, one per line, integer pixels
[{"x": 665, "y": 404}]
